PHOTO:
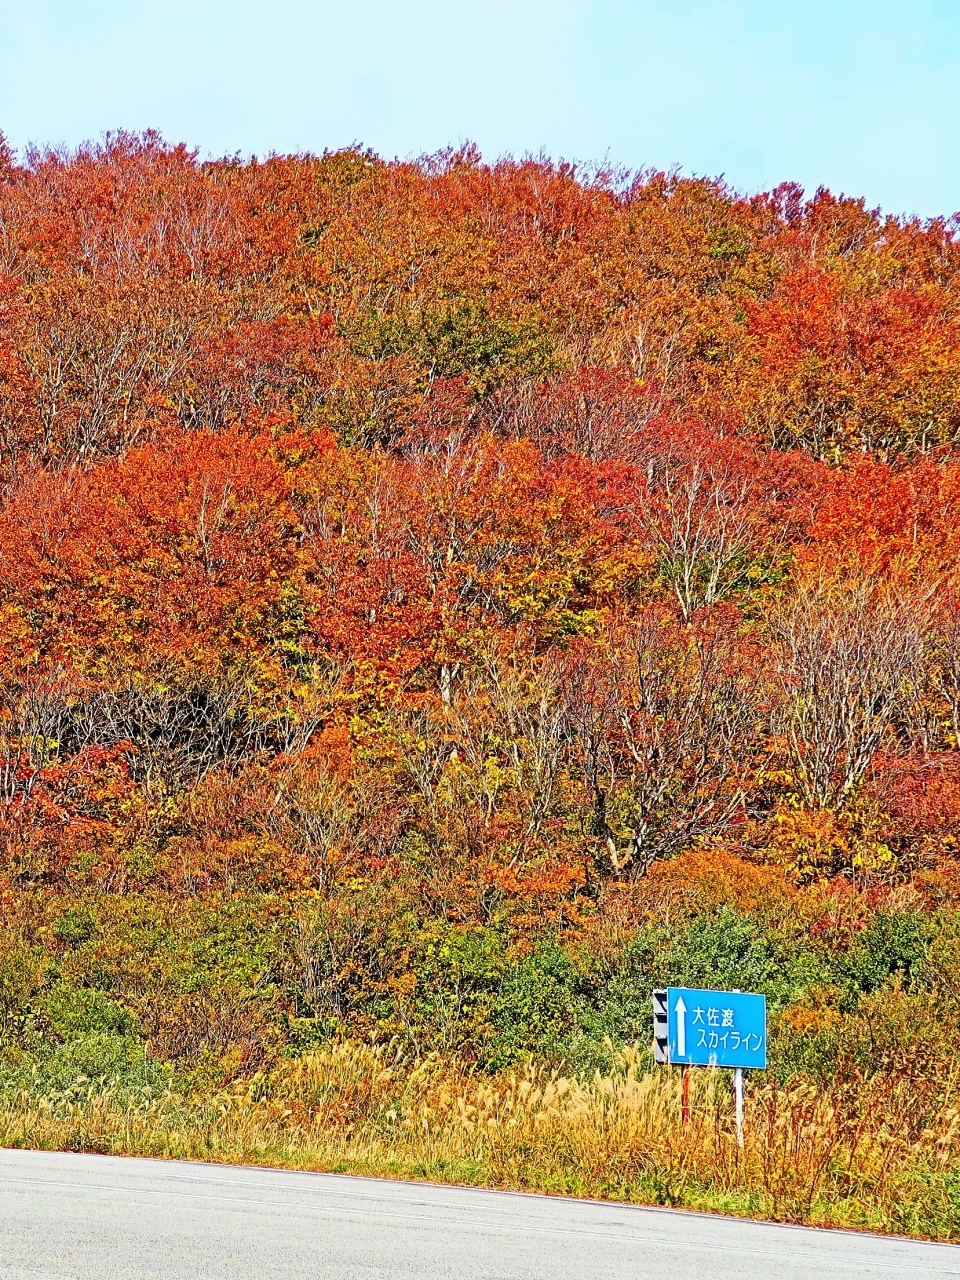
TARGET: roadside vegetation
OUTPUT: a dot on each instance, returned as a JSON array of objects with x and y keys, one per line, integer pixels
[
  {"x": 441, "y": 602},
  {"x": 871, "y": 1153}
]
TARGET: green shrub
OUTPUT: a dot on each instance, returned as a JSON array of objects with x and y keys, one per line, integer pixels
[
  {"x": 75, "y": 1011},
  {"x": 95, "y": 1062},
  {"x": 539, "y": 1009},
  {"x": 76, "y": 926},
  {"x": 100, "y": 1060},
  {"x": 893, "y": 944}
]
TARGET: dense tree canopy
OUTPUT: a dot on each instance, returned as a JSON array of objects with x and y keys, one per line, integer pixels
[{"x": 464, "y": 542}]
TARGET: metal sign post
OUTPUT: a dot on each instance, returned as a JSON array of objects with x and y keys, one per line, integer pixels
[{"x": 702, "y": 1028}]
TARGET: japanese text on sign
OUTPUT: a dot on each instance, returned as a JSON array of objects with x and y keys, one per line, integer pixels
[{"x": 716, "y": 1028}]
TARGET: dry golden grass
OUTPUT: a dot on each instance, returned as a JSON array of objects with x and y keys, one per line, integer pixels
[{"x": 877, "y": 1153}]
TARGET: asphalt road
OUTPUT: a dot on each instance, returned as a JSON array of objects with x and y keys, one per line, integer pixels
[{"x": 77, "y": 1217}]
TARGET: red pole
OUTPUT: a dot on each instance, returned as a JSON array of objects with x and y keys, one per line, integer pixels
[{"x": 685, "y": 1094}]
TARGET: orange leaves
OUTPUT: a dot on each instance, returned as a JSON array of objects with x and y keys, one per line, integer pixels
[
  {"x": 471, "y": 465},
  {"x": 254, "y": 368},
  {"x": 151, "y": 279},
  {"x": 542, "y": 892},
  {"x": 61, "y": 790},
  {"x": 705, "y": 879},
  {"x": 813, "y": 844},
  {"x": 149, "y": 283},
  {"x": 835, "y": 366},
  {"x": 665, "y": 724},
  {"x": 18, "y": 428},
  {"x": 882, "y": 520},
  {"x": 602, "y": 414},
  {"x": 417, "y": 553},
  {"x": 220, "y": 552},
  {"x": 184, "y": 553}
]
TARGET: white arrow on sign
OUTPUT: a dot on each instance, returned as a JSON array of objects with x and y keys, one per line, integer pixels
[{"x": 681, "y": 1009}]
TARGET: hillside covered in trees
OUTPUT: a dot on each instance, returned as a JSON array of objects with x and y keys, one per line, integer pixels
[{"x": 440, "y": 601}]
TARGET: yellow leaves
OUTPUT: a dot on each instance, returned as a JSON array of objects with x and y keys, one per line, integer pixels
[
  {"x": 815, "y": 1011},
  {"x": 814, "y": 843},
  {"x": 403, "y": 984}
]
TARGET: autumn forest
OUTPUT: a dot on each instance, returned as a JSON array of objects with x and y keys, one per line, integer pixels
[{"x": 441, "y": 601}]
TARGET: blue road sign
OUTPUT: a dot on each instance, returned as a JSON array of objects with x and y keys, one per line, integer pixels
[{"x": 716, "y": 1028}]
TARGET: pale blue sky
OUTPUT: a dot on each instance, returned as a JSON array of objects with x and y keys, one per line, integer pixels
[{"x": 858, "y": 94}]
